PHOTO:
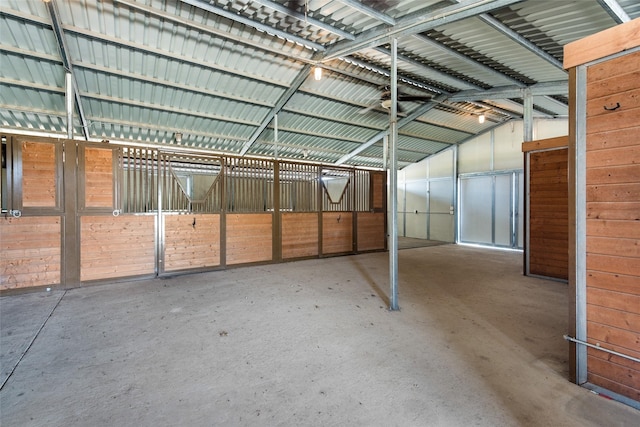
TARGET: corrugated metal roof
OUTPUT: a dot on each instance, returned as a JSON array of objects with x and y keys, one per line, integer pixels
[{"x": 219, "y": 71}]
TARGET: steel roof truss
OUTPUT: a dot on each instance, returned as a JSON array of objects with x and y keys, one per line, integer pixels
[
  {"x": 414, "y": 24},
  {"x": 66, "y": 61},
  {"x": 250, "y": 23},
  {"x": 613, "y": 8},
  {"x": 286, "y": 96}
]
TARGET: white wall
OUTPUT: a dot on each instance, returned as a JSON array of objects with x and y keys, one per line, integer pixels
[
  {"x": 426, "y": 197},
  {"x": 489, "y": 169}
]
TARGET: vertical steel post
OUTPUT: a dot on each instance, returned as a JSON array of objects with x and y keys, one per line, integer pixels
[
  {"x": 528, "y": 115},
  {"x": 69, "y": 99},
  {"x": 393, "y": 178},
  {"x": 580, "y": 191}
]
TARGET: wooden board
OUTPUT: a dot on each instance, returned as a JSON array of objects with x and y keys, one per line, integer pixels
[
  {"x": 371, "y": 231},
  {"x": 249, "y": 238},
  {"x": 98, "y": 177},
  {"x": 116, "y": 246},
  {"x": 612, "y": 226},
  {"x": 600, "y": 45},
  {"x": 337, "y": 232},
  {"x": 548, "y": 249},
  {"x": 38, "y": 174},
  {"x": 299, "y": 234},
  {"x": 191, "y": 241},
  {"x": 30, "y": 248},
  {"x": 378, "y": 187},
  {"x": 545, "y": 144}
]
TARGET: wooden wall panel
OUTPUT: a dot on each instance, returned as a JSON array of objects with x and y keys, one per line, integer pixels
[
  {"x": 337, "y": 232},
  {"x": 299, "y": 234},
  {"x": 191, "y": 241},
  {"x": 30, "y": 248},
  {"x": 371, "y": 231},
  {"x": 38, "y": 174},
  {"x": 378, "y": 188},
  {"x": 116, "y": 246},
  {"x": 548, "y": 250},
  {"x": 249, "y": 238},
  {"x": 613, "y": 215},
  {"x": 98, "y": 176}
]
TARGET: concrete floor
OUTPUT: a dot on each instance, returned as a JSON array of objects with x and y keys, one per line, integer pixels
[{"x": 310, "y": 343}]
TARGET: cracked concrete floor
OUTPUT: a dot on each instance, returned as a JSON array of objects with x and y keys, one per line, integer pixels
[{"x": 309, "y": 343}]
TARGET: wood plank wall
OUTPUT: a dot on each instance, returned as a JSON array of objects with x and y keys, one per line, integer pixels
[
  {"x": 98, "y": 177},
  {"x": 613, "y": 223},
  {"x": 38, "y": 174},
  {"x": 548, "y": 246},
  {"x": 30, "y": 248},
  {"x": 116, "y": 246},
  {"x": 369, "y": 236},
  {"x": 337, "y": 232},
  {"x": 379, "y": 186},
  {"x": 249, "y": 238},
  {"x": 299, "y": 234},
  {"x": 191, "y": 241}
]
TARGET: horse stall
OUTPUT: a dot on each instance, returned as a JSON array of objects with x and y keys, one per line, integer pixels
[{"x": 77, "y": 212}]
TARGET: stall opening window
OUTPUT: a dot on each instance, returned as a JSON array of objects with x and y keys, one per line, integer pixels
[{"x": 335, "y": 186}]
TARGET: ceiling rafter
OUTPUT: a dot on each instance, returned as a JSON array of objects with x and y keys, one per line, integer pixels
[
  {"x": 403, "y": 122},
  {"x": 414, "y": 24},
  {"x": 471, "y": 61},
  {"x": 251, "y": 23},
  {"x": 513, "y": 91},
  {"x": 522, "y": 41},
  {"x": 613, "y": 8},
  {"x": 67, "y": 63},
  {"x": 284, "y": 98},
  {"x": 303, "y": 17},
  {"x": 369, "y": 11},
  {"x": 209, "y": 30}
]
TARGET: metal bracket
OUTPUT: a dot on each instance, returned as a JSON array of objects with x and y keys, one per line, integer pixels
[{"x": 612, "y": 108}]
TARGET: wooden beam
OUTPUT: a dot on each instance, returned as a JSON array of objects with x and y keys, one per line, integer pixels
[
  {"x": 545, "y": 144},
  {"x": 616, "y": 39}
]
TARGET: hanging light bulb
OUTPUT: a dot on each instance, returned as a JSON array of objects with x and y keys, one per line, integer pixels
[
  {"x": 481, "y": 118},
  {"x": 317, "y": 73}
]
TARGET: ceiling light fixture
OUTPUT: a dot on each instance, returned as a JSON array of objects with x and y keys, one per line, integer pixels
[
  {"x": 481, "y": 118},
  {"x": 178, "y": 137},
  {"x": 317, "y": 73}
]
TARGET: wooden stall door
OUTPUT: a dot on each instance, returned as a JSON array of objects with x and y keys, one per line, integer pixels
[
  {"x": 191, "y": 241},
  {"x": 299, "y": 234},
  {"x": 337, "y": 233},
  {"x": 31, "y": 229},
  {"x": 547, "y": 248}
]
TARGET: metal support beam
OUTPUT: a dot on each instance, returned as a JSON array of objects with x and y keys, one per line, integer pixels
[
  {"x": 613, "y": 8},
  {"x": 253, "y": 24},
  {"x": 507, "y": 92},
  {"x": 295, "y": 85},
  {"x": 373, "y": 13},
  {"x": 493, "y": 22},
  {"x": 414, "y": 115},
  {"x": 303, "y": 17},
  {"x": 393, "y": 179},
  {"x": 236, "y": 38},
  {"x": 528, "y": 116},
  {"x": 68, "y": 84},
  {"x": 66, "y": 61},
  {"x": 414, "y": 24}
]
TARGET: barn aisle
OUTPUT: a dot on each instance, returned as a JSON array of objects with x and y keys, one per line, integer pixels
[{"x": 305, "y": 343}]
